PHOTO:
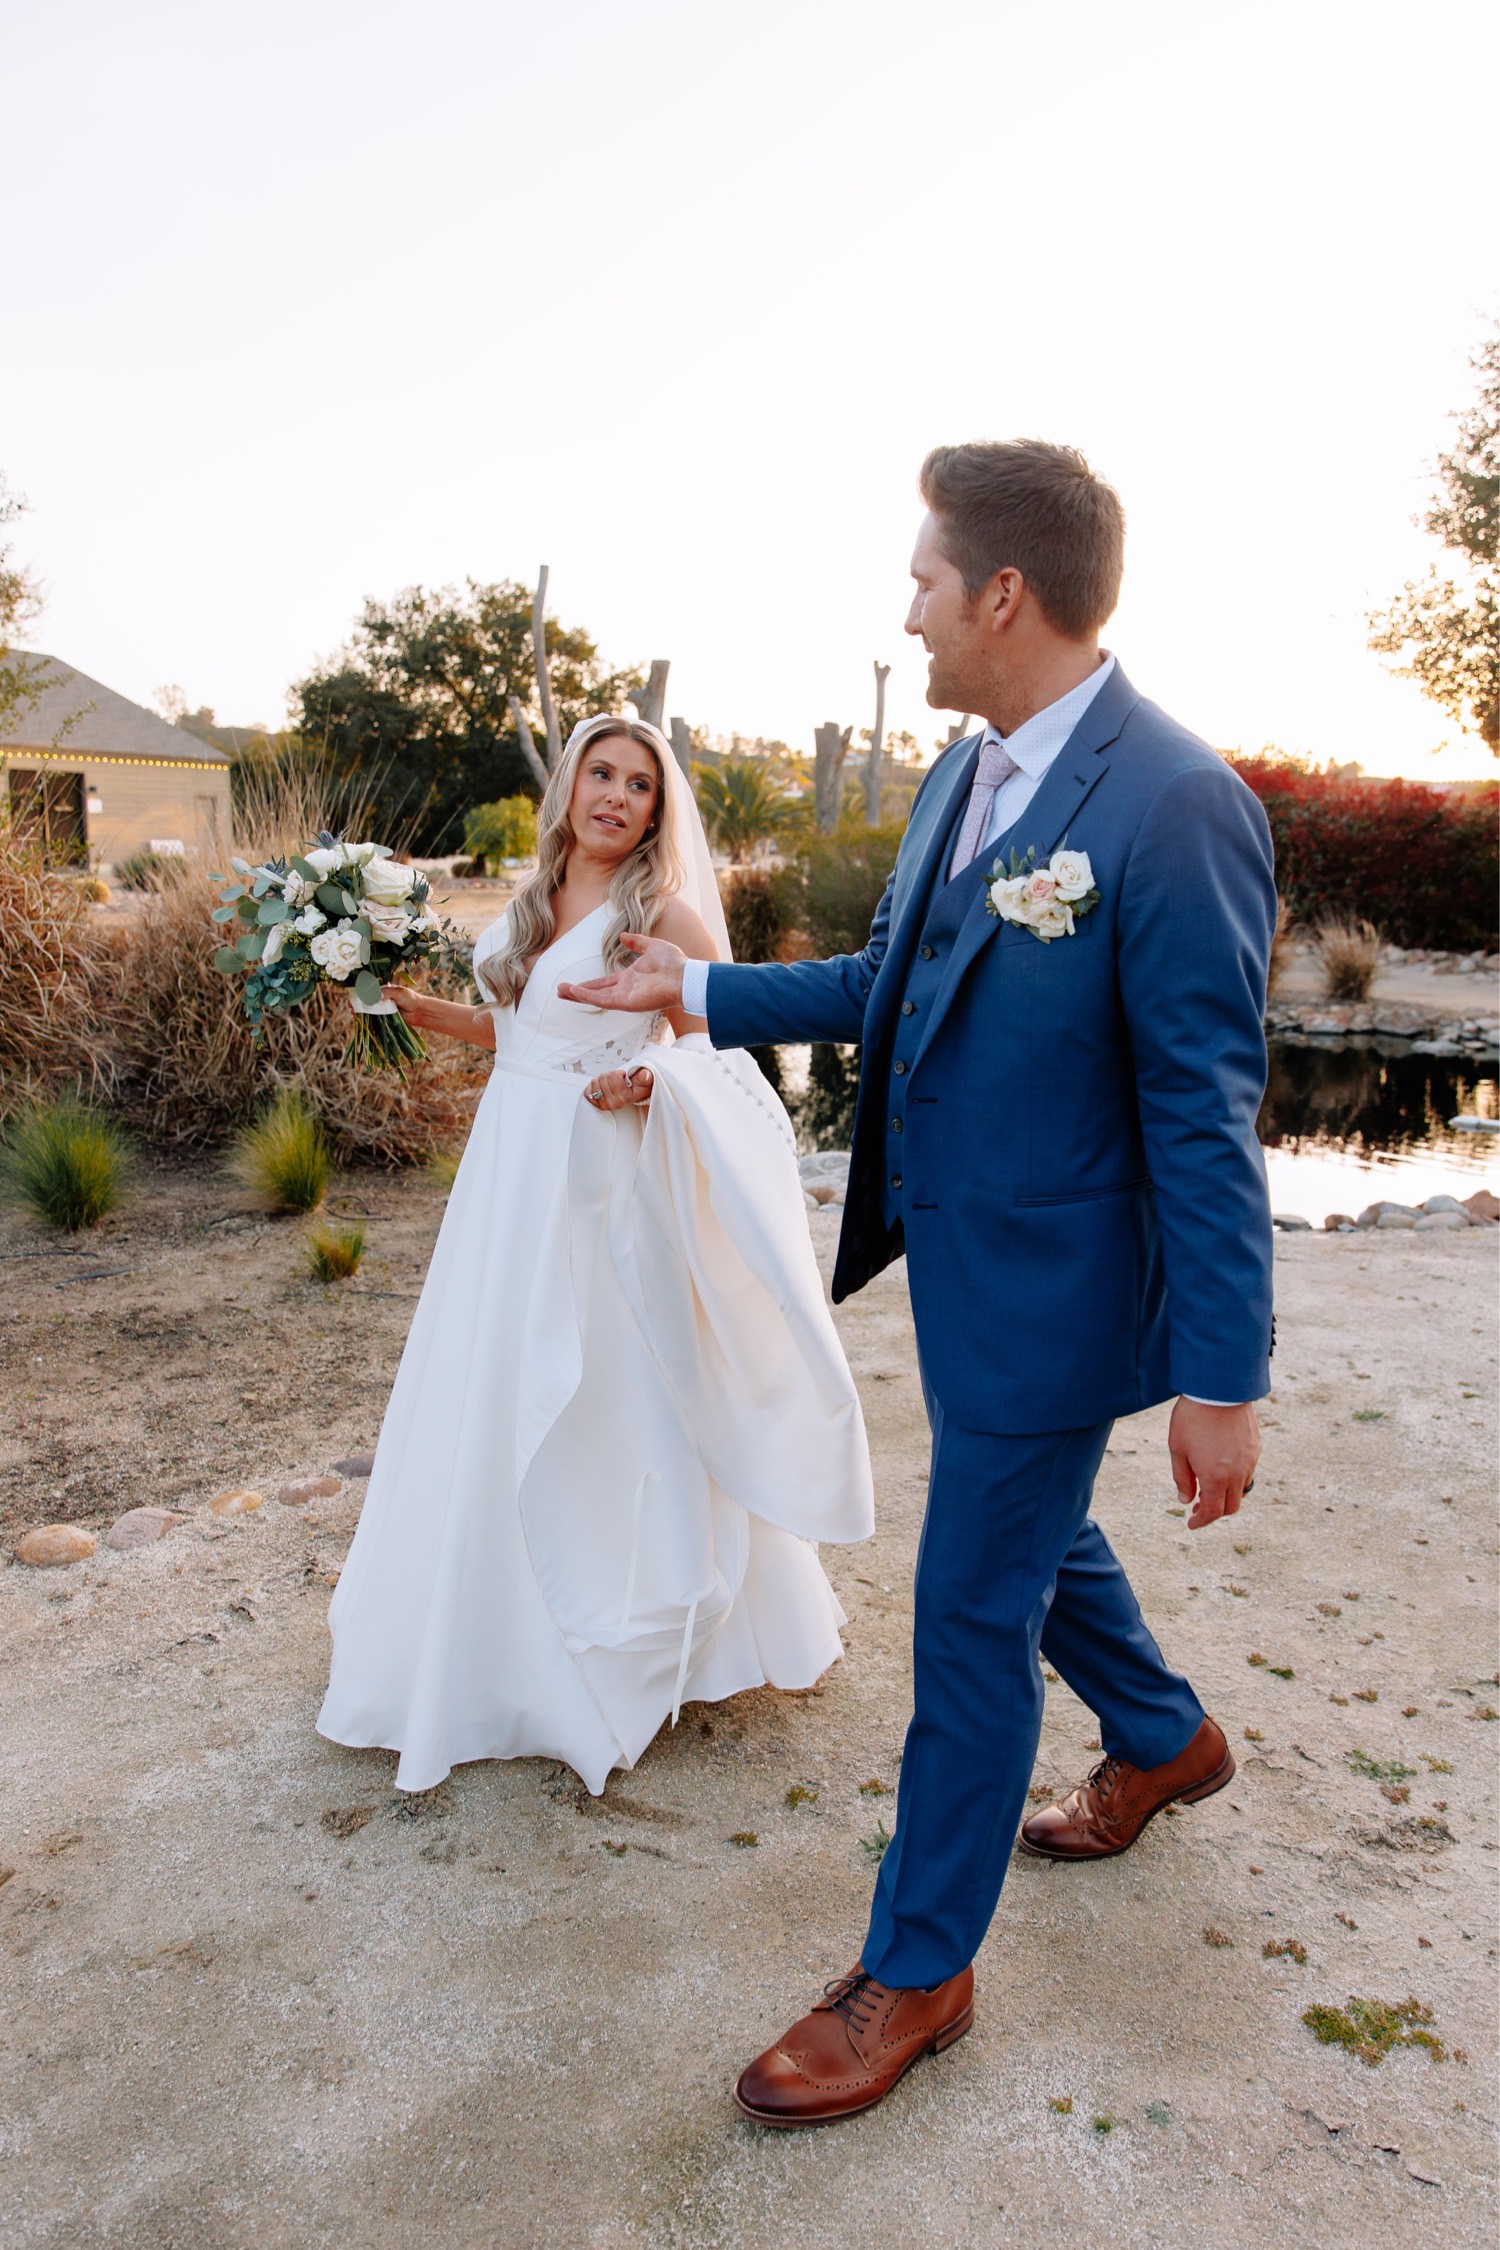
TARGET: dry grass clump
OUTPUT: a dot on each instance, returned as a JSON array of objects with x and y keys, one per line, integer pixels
[
  {"x": 64, "y": 1160},
  {"x": 1349, "y": 954},
  {"x": 135, "y": 1016},
  {"x": 1281, "y": 950},
  {"x": 46, "y": 956},
  {"x": 283, "y": 1157},
  {"x": 333, "y": 1253}
]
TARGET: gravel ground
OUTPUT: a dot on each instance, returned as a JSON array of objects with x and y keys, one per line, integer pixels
[{"x": 252, "y": 1997}]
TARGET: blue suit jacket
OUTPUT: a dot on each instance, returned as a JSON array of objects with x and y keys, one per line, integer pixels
[{"x": 1085, "y": 1213}]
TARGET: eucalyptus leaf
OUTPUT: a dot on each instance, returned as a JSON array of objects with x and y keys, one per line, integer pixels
[
  {"x": 273, "y": 911},
  {"x": 367, "y": 987},
  {"x": 247, "y": 910},
  {"x": 364, "y": 951},
  {"x": 330, "y": 898},
  {"x": 250, "y": 944},
  {"x": 363, "y": 927},
  {"x": 305, "y": 868},
  {"x": 348, "y": 903},
  {"x": 240, "y": 866},
  {"x": 227, "y": 958},
  {"x": 261, "y": 885},
  {"x": 225, "y": 914}
]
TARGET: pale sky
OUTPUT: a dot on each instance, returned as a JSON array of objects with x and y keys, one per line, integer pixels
[{"x": 309, "y": 301}]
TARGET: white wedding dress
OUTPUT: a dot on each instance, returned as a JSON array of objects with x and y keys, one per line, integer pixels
[{"x": 621, "y": 1420}]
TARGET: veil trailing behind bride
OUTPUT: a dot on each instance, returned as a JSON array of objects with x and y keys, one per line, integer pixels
[{"x": 623, "y": 1416}]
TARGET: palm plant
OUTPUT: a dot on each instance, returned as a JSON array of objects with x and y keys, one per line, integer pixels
[{"x": 742, "y": 805}]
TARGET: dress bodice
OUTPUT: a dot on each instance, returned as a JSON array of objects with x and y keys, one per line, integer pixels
[{"x": 545, "y": 1033}]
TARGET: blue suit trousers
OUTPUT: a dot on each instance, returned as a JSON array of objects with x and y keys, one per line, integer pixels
[{"x": 1011, "y": 1569}]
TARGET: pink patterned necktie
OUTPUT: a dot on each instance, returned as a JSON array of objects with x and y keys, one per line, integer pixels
[{"x": 995, "y": 765}]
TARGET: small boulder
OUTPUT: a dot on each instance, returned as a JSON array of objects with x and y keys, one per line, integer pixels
[
  {"x": 821, "y": 1191},
  {"x": 1291, "y": 1222},
  {"x": 1337, "y": 1222},
  {"x": 1444, "y": 1203},
  {"x": 52, "y": 1545},
  {"x": 355, "y": 1465},
  {"x": 303, "y": 1489},
  {"x": 810, "y": 1202},
  {"x": 141, "y": 1527},
  {"x": 1483, "y": 1206},
  {"x": 235, "y": 1503},
  {"x": 1441, "y": 1222},
  {"x": 1395, "y": 1220}
]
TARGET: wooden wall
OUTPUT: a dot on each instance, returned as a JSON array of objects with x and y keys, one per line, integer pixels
[{"x": 142, "y": 800}]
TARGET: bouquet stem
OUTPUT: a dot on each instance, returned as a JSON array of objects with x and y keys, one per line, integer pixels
[{"x": 384, "y": 1043}]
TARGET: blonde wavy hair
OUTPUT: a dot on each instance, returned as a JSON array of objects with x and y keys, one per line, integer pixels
[{"x": 651, "y": 874}]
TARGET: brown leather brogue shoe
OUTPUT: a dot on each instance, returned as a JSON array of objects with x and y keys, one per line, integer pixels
[
  {"x": 1106, "y": 1813},
  {"x": 848, "y": 2054}
]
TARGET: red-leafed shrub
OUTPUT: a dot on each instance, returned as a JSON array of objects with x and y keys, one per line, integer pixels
[{"x": 1422, "y": 864}]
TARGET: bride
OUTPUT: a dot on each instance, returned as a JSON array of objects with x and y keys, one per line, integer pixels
[{"x": 623, "y": 1416}]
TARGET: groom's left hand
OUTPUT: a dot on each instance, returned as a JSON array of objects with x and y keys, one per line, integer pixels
[{"x": 1214, "y": 1450}]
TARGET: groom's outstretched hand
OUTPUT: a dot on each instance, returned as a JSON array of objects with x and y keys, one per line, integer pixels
[
  {"x": 652, "y": 981},
  {"x": 1214, "y": 1450}
]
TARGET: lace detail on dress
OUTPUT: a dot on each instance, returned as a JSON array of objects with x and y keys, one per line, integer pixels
[{"x": 610, "y": 1054}]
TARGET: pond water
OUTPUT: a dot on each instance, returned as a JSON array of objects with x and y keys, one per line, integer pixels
[{"x": 1341, "y": 1125}]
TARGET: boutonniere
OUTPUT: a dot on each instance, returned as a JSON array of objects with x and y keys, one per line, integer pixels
[{"x": 1045, "y": 900}]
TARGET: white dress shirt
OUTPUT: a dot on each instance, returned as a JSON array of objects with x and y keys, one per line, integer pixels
[{"x": 1034, "y": 745}]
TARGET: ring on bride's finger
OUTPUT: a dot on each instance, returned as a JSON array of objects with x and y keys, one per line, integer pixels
[{"x": 1247, "y": 1486}]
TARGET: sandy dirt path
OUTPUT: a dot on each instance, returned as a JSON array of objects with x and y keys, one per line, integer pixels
[{"x": 253, "y": 1998}]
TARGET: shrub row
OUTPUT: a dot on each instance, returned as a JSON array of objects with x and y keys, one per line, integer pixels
[{"x": 1422, "y": 864}]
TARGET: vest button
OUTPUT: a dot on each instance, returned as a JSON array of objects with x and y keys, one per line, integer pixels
[
  {"x": 926, "y": 952},
  {"x": 908, "y": 1007},
  {"x": 900, "y": 1069},
  {"x": 895, "y": 1124},
  {"x": 895, "y": 1179}
]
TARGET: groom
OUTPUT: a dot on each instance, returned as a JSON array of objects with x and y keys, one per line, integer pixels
[{"x": 1056, "y": 1123}]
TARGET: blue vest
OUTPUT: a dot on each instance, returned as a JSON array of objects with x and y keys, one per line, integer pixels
[{"x": 947, "y": 906}]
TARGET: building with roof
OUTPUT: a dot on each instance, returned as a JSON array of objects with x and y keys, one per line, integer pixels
[{"x": 96, "y": 778}]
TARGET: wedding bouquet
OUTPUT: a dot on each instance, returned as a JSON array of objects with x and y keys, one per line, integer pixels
[{"x": 337, "y": 913}]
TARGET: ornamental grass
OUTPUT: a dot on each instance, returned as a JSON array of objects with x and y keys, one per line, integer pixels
[
  {"x": 1349, "y": 955},
  {"x": 64, "y": 1161},
  {"x": 283, "y": 1157},
  {"x": 130, "y": 1011},
  {"x": 333, "y": 1253}
]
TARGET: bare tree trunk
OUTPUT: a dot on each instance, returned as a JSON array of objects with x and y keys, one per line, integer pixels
[
  {"x": 543, "y": 677},
  {"x": 528, "y": 747},
  {"x": 830, "y": 744},
  {"x": 652, "y": 700},
  {"x": 873, "y": 774},
  {"x": 957, "y": 731},
  {"x": 682, "y": 746}
]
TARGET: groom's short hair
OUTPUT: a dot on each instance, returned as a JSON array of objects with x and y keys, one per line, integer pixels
[{"x": 1038, "y": 509}]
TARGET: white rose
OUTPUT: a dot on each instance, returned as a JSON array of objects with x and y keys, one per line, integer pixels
[
  {"x": 1007, "y": 896},
  {"x": 325, "y": 859},
  {"x": 392, "y": 923},
  {"x": 337, "y": 951},
  {"x": 276, "y": 937},
  {"x": 357, "y": 855},
  {"x": 296, "y": 888},
  {"x": 427, "y": 920},
  {"x": 1072, "y": 873},
  {"x": 1053, "y": 920},
  {"x": 388, "y": 882},
  {"x": 311, "y": 918}
]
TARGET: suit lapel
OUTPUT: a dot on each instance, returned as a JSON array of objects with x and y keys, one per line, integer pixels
[
  {"x": 1071, "y": 778},
  {"x": 929, "y": 841}
]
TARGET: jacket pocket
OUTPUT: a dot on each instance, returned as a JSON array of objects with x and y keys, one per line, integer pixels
[{"x": 1081, "y": 1195}]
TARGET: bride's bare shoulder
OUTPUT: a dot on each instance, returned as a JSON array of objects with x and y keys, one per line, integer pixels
[{"x": 680, "y": 926}]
